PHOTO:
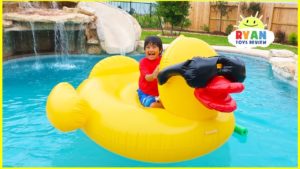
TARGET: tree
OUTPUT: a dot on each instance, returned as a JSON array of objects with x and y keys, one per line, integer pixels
[
  {"x": 253, "y": 8},
  {"x": 173, "y": 12},
  {"x": 250, "y": 8},
  {"x": 223, "y": 8},
  {"x": 243, "y": 8}
]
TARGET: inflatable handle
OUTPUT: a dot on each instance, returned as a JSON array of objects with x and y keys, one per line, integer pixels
[{"x": 243, "y": 131}]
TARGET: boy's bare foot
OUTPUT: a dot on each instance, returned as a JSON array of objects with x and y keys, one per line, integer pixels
[{"x": 156, "y": 105}]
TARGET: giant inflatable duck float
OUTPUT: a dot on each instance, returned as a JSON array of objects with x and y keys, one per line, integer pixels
[{"x": 197, "y": 118}]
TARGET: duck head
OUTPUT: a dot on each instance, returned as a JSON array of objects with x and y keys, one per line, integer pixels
[
  {"x": 214, "y": 79},
  {"x": 188, "y": 84}
]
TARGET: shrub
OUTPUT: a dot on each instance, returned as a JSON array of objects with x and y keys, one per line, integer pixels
[
  {"x": 229, "y": 29},
  {"x": 131, "y": 11},
  {"x": 147, "y": 21},
  {"x": 293, "y": 38},
  {"x": 279, "y": 36},
  {"x": 205, "y": 28}
]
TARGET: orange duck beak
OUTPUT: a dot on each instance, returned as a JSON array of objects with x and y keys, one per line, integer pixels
[{"x": 216, "y": 94}]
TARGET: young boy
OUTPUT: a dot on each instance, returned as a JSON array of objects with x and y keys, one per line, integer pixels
[{"x": 148, "y": 87}]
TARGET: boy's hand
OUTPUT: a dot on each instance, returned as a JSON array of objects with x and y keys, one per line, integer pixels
[
  {"x": 151, "y": 77},
  {"x": 155, "y": 72}
]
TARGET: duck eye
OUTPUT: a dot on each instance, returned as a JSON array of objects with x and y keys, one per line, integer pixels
[
  {"x": 247, "y": 21},
  {"x": 254, "y": 22}
]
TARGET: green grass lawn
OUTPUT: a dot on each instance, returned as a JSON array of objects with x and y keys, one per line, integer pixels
[{"x": 215, "y": 40}]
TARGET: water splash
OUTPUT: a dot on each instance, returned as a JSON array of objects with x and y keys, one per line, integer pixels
[
  {"x": 63, "y": 66},
  {"x": 37, "y": 65}
]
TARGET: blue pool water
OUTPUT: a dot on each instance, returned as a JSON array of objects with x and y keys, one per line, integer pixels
[{"x": 267, "y": 107}]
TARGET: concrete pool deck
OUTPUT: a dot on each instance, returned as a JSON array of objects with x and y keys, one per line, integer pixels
[{"x": 284, "y": 62}]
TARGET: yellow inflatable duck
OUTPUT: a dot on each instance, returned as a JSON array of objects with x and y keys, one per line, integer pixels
[{"x": 106, "y": 107}]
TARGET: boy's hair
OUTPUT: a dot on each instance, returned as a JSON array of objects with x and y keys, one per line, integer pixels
[{"x": 154, "y": 40}]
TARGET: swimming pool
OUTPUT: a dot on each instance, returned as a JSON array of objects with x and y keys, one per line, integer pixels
[{"x": 267, "y": 107}]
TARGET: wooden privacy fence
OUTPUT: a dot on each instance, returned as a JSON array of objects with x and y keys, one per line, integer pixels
[
  {"x": 216, "y": 23},
  {"x": 284, "y": 19},
  {"x": 277, "y": 16}
]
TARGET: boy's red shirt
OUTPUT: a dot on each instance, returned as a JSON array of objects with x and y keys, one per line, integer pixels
[{"x": 147, "y": 67}]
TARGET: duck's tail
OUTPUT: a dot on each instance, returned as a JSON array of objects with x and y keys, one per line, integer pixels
[{"x": 66, "y": 110}]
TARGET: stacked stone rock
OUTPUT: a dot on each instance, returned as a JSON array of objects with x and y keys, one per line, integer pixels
[
  {"x": 107, "y": 28},
  {"x": 284, "y": 63}
]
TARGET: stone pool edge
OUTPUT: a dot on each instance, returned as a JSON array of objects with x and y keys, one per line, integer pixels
[{"x": 284, "y": 62}]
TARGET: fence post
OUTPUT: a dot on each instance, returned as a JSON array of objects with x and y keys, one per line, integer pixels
[
  {"x": 150, "y": 14},
  {"x": 150, "y": 10},
  {"x": 271, "y": 18}
]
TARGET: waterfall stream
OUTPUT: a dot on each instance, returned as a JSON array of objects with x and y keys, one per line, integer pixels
[
  {"x": 58, "y": 34},
  {"x": 81, "y": 39},
  {"x": 61, "y": 39},
  {"x": 33, "y": 38},
  {"x": 28, "y": 5},
  {"x": 54, "y": 5}
]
